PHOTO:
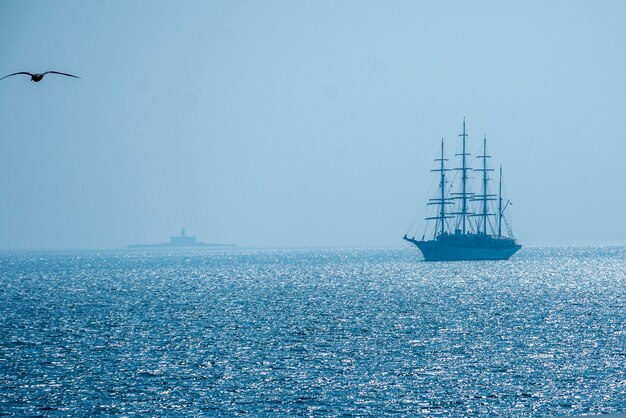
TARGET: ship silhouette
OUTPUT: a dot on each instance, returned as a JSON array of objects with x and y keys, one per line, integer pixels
[
  {"x": 468, "y": 230},
  {"x": 181, "y": 241}
]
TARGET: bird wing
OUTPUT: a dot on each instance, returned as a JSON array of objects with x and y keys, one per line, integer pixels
[
  {"x": 56, "y": 72},
  {"x": 21, "y": 72}
]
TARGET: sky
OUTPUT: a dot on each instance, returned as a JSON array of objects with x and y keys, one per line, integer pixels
[{"x": 304, "y": 124}]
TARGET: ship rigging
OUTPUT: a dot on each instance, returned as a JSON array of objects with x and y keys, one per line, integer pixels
[{"x": 462, "y": 227}]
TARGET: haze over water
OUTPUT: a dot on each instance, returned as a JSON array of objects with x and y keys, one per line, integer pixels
[
  {"x": 298, "y": 332},
  {"x": 281, "y": 123},
  {"x": 310, "y": 124}
]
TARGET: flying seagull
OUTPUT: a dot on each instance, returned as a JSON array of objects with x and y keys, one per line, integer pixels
[{"x": 36, "y": 77}]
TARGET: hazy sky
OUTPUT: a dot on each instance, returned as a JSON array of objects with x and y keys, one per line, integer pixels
[{"x": 304, "y": 123}]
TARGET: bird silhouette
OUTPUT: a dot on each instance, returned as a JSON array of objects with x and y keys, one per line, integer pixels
[{"x": 37, "y": 77}]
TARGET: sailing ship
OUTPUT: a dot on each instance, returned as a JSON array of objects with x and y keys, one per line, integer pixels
[{"x": 464, "y": 224}]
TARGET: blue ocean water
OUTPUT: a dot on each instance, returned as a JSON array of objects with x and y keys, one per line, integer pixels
[{"x": 312, "y": 332}]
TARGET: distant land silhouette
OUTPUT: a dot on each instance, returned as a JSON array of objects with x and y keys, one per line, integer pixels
[{"x": 181, "y": 241}]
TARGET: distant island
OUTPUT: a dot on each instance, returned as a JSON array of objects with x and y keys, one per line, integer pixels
[{"x": 181, "y": 241}]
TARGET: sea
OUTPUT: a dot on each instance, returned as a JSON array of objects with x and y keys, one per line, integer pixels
[{"x": 312, "y": 332}]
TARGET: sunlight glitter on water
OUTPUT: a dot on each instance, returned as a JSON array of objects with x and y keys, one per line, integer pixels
[{"x": 373, "y": 332}]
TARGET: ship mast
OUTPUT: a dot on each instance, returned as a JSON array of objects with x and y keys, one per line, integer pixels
[
  {"x": 485, "y": 196},
  {"x": 500, "y": 204},
  {"x": 442, "y": 210},
  {"x": 484, "y": 157},
  {"x": 464, "y": 192},
  {"x": 442, "y": 201}
]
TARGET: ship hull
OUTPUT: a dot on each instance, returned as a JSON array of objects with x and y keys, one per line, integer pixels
[{"x": 451, "y": 251}]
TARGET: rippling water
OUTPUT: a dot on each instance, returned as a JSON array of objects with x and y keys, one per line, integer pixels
[{"x": 304, "y": 332}]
